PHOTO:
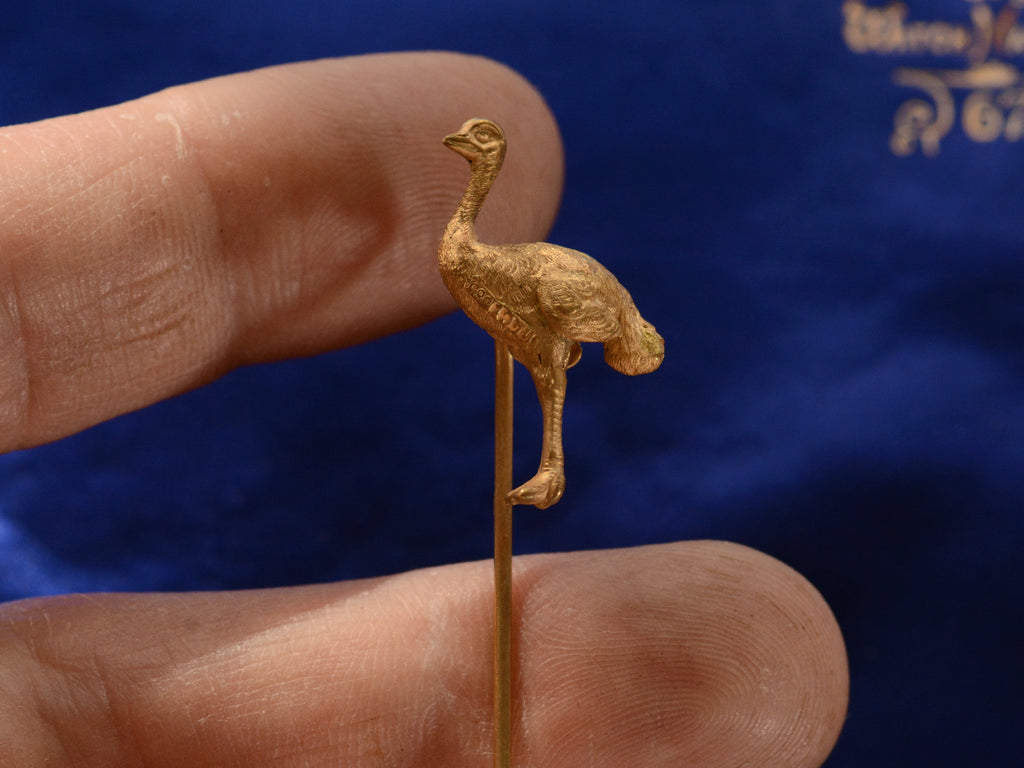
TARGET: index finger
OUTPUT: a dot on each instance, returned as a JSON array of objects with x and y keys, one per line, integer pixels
[{"x": 149, "y": 247}]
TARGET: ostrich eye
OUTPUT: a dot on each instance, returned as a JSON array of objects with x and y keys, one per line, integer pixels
[{"x": 484, "y": 136}]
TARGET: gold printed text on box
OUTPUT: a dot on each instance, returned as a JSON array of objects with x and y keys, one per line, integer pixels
[{"x": 980, "y": 88}]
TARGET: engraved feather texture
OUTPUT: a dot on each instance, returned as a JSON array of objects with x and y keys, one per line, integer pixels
[{"x": 541, "y": 300}]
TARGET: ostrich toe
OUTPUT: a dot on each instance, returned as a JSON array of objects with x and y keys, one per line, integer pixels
[{"x": 541, "y": 491}]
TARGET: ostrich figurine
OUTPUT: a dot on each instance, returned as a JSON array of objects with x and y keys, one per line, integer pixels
[
  {"x": 538, "y": 301},
  {"x": 541, "y": 301}
]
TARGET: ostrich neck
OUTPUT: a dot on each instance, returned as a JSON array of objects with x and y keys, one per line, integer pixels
[{"x": 482, "y": 176}]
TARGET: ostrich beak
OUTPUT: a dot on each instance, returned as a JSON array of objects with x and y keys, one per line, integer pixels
[{"x": 462, "y": 145}]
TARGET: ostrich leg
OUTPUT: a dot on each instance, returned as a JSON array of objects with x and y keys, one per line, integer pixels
[{"x": 546, "y": 487}]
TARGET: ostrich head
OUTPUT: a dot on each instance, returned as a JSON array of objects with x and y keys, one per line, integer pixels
[{"x": 478, "y": 140}]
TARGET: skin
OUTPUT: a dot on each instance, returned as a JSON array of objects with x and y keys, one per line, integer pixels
[{"x": 150, "y": 247}]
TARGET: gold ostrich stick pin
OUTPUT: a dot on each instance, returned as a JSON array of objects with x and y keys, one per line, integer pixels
[{"x": 538, "y": 301}]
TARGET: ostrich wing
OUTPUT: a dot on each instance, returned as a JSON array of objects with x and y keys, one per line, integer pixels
[{"x": 578, "y": 297}]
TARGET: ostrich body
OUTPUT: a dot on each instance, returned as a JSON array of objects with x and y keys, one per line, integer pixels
[{"x": 541, "y": 300}]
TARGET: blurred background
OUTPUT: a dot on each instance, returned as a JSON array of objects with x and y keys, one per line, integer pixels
[{"x": 818, "y": 204}]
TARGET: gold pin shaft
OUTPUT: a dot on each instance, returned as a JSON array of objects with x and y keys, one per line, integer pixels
[{"x": 502, "y": 556}]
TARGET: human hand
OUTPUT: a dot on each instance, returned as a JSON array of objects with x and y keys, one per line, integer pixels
[{"x": 148, "y": 248}]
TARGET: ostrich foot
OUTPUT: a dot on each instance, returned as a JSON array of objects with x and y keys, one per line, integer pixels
[{"x": 541, "y": 491}]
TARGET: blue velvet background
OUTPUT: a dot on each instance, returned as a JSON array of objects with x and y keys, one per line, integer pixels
[{"x": 843, "y": 387}]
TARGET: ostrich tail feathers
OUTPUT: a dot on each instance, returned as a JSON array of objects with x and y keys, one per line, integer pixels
[{"x": 633, "y": 356}]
